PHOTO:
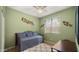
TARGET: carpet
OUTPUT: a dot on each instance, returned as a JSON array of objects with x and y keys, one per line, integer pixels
[{"x": 43, "y": 47}]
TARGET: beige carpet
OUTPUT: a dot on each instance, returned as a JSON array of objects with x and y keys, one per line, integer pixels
[{"x": 43, "y": 47}]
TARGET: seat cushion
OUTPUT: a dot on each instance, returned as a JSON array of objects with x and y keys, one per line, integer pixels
[{"x": 31, "y": 38}]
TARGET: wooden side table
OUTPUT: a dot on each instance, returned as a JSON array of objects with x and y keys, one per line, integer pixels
[{"x": 64, "y": 46}]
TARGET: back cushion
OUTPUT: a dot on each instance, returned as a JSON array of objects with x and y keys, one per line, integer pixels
[
  {"x": 35, "y": 33},
  {"x": 29, "y": 34},
  {"x": 21, "y": 35}
]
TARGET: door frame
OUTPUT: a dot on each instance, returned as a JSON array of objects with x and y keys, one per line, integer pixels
[{"x": 2, "y": 30}]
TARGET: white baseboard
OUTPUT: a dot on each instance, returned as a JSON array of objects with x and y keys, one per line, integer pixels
[{"x": 9, "y": 48}]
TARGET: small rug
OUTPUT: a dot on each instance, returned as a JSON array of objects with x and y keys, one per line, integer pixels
[{"x": 43, "y": 47}]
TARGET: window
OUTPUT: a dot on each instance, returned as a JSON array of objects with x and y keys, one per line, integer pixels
[{"x": 52, "y": 26}]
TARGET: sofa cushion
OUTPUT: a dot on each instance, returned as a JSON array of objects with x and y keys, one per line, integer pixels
[
  {"x": 31, "y": 38},
  {"x": 29, "y": 34},
  {"x": 21, "y": 35},
  {"x": 34, "y": 33}
]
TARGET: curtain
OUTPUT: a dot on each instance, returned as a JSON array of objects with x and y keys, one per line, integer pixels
[{"x": 52, "y": 25}]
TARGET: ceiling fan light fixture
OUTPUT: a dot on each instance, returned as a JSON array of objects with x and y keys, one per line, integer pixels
[{"x": 40, "y": 9}]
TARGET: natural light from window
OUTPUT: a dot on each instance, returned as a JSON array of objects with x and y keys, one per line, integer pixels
[{"x": 52, "y": 26}]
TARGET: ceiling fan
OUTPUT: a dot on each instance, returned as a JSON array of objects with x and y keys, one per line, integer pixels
[{"x": 40, "y": 9}]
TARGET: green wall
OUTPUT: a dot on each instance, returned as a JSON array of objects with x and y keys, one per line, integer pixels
[
  {"x": 65, "y": 32},
  {"x": 0, "y": 30},
  {"x": 13, "y": 24}
]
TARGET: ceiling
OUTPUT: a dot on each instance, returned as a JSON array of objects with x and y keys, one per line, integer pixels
[{"x": 30, "y": 10}]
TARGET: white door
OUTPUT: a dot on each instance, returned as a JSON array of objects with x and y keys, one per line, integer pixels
[{"x": 1, "y": 32}]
